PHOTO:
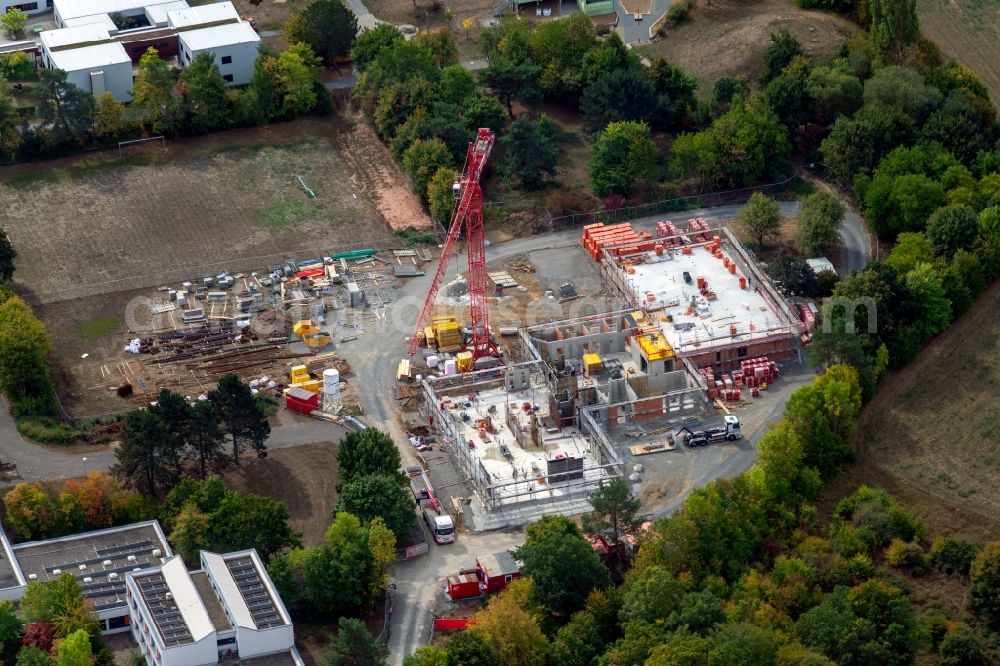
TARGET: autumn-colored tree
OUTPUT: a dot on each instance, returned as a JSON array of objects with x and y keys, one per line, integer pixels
[
  {"x": 40, "y": 634},
  {"x": 512, "y": 633}
]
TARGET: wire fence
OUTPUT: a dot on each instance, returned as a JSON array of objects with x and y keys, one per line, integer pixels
[{"x": 706, "y": 200}]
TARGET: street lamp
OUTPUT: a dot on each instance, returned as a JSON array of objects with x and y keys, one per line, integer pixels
[{"x": 85, "y": 465}]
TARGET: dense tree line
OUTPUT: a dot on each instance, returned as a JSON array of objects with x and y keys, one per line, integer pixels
[
  {"x": 24, "y": 350},
  {"x": 34, "y": 511},
  {"x": 745, "y": 572}
]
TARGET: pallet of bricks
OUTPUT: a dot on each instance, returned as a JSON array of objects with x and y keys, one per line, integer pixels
[
  {"x": 698, "y": 228},
  {"x": 759, "y": 372},
  {"x": 727, "y": 388},
  {"x": 670, "y": 234},
  {"x": 621, "y": 237}
]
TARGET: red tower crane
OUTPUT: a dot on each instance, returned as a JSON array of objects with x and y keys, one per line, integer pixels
[{"x": 469, "y": 213}]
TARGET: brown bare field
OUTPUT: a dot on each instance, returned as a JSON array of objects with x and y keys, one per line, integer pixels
[
  {"x": 96, "y": 224},
  {"x": 931, "y": 435},
  {"x": 730, "y": 37},
  {"x": 968, "y": 31},
  {"x": 269, "y": 15},
  {"x": 302, "y": 477}
]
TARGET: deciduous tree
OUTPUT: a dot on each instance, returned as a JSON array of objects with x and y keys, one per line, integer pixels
[
  {"x": 819, "y": 219},
  {"x": 75, "y": 650},
  {"x": 894, "y": 23},
  {"x": 952, "y": 229},
  {"x": 109, "y": 116},
  {"x": 14, "y": 20},
  {"x": 327, "y": 26},
  {"x": 372, "y": 41},
  {"x": 482, "y": 110},
  {"x": 985, "y": 579},
  {"x": 245, "y": 520},
  {"x": 441, "y": 196},
  {"x": 622, "y": 154},
  {"x": 378, "y": 496},
  {"x": 33, "y": 656},
  {"x": 925, "y": 284},
  {"x": 204, "y": 92},
  {"x": 368, "y": 452},
  {"x": 562, "y": 564},
  {"x": 10, "y": 137},
  {"x": 153, "y": 92},
  {"x": 422, "y": 160},
  {"x": 512, "y": 634},
  {"x": 760, "y": 218}
]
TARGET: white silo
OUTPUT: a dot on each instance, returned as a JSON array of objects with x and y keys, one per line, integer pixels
[{"x": 331, "y": 390}]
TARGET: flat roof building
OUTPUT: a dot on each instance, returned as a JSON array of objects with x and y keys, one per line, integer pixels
[
  {"x": 202, "y": 15},
  {"x": 233, "y": 45},
  {"x": 708, "y": 298},
  {"x": 229, "y": 608},
  {"x": 99, "y": 560}
]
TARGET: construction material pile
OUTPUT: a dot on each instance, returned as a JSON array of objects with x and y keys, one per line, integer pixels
[{"x": 619, "y": 238}]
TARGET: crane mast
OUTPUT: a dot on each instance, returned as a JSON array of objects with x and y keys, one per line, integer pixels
[{"x": 468, "y": 213}]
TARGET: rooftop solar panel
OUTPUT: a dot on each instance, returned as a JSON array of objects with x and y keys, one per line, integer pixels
[
  {"x": 259, "y": 602},
  {"x": 166, "y": 615}
]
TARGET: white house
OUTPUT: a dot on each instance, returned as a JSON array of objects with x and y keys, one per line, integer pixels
[
  {"x": 234, "y": 46},
  {"x": 92, "y": 60},
  {"x": 229, "y": 608},
  {"x": 32, "y": 7},
  {"x": 203, "y": 16}
]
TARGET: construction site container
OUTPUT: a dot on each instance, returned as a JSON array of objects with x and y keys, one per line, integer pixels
[
  {"x": 463, "y": 586},
  {"x": 592, "y": 364},
  {"x": 301, "y": 401}
]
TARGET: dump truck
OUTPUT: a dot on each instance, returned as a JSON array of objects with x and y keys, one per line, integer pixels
[{"x": 729, "y": 431}]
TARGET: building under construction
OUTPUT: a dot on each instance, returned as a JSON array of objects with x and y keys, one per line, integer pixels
[
  {"x": 505, "y": 432},
  {"x": 704, "y": 294}
]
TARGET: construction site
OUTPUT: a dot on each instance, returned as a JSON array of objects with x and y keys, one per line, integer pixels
[
  {"x": 694, "y": 351},
  {"x": 276, "y": 328}
]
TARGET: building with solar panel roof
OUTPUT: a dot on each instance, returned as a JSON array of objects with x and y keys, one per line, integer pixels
[{"x": 227, "y": 608}]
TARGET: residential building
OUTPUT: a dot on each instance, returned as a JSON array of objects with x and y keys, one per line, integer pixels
[
  {"x": 92, "y": 60},
  {"x": 234, "y": 46}
]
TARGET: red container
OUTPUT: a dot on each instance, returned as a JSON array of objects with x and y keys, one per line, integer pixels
[
  {"x": 463, "y": 586},
  {"x": 301, "y": 401}
]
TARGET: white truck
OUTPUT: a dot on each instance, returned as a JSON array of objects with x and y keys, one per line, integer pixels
[{"x": 441, "y": 525}]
